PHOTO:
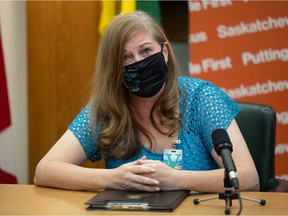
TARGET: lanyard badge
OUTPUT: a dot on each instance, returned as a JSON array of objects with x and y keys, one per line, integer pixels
[{"x": 173, "y": 157}]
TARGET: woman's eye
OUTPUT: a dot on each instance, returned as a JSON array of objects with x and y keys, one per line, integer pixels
[
  {"x": 126, "y": 58},
  {"x": 146, "y": 51}
]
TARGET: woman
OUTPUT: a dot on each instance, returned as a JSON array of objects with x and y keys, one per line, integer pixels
[{"x": 140, "y": 109}]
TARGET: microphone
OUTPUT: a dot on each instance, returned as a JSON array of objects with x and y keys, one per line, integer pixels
[{"x": 223, "y": 147}]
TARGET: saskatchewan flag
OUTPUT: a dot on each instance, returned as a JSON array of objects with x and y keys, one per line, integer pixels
[
  {"x": 109, "y": 10},
  {"x": 152, "y": 8}
]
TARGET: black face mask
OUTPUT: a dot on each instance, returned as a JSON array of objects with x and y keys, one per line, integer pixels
[{"x": 145, "y": 78}]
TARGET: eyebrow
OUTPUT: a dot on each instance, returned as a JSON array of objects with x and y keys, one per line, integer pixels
[
  {"x": 145, "y": 44},
  {"x": 142, "y": 45}
]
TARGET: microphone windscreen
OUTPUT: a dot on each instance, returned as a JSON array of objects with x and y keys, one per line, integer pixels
[
  {"x": 221, "y": 140},
  {"x": 220, "y": 136}
]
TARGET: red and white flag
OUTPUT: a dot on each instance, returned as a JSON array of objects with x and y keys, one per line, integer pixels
[{"x": 7, "y": 155}]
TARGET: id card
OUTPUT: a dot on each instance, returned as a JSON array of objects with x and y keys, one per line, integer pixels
[{"x": 173, "y": 158}]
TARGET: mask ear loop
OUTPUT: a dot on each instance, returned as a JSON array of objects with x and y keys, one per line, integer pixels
[{"x": 162, "y": 45}]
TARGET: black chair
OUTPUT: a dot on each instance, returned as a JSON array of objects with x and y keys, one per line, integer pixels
[{"x": 257, "y": 123}]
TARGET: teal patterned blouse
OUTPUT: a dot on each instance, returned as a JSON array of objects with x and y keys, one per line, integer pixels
[{"x": 203, "y": 108}]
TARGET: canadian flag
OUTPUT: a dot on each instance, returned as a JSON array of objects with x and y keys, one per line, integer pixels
[{"x": 7, "y": 155}]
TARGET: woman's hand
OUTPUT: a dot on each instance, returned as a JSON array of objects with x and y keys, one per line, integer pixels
[
  {"x": 165, "y": 175},
  {"x": 134, "y": 176}
]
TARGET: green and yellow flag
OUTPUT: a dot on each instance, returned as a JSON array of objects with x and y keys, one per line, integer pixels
[
  {"x": 109, "y": 10},
  {"x": 152, "y": 8},
  {"x": 128, "y": 6},
  {"x": 107, "y": 13}
]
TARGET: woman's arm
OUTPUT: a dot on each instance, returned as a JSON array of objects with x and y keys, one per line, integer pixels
[
  {"x": 211, "y": 181},
  {"x": 61, "y": 168}
]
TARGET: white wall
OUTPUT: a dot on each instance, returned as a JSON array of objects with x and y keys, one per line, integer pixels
[{"x": 14, "y": 42}]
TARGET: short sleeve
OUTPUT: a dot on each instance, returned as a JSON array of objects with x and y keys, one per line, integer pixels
[
  {"x": 214, "y": 109},
  {"x": 81, "y": 128}
]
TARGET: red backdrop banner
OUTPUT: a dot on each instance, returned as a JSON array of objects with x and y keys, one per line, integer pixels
[{"x": 242, "y": 47}]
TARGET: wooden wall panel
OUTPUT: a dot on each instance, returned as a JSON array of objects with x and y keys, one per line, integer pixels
[{"x": 62, "y": 43}]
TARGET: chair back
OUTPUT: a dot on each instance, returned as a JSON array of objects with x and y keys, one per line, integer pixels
[{"x": 257, "y": 123}]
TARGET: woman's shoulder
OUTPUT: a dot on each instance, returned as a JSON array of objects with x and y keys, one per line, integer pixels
[{"x": 190, "y": 83}]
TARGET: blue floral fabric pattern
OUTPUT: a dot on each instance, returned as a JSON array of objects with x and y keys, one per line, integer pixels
[
  {"x": 130, "y": 73},
  {"x": 203, "y": 108}
]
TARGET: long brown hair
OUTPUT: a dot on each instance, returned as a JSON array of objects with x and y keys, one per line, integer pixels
[{"x": 120, "y": 133}]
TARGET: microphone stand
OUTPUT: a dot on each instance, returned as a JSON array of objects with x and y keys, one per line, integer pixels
[{"x": 228, "y": 195}]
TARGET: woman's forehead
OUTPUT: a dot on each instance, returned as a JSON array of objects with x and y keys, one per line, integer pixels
[{"x": 139, "y": 39}]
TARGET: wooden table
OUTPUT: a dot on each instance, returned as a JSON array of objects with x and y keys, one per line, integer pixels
[{"x": 33, "y": 200}]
